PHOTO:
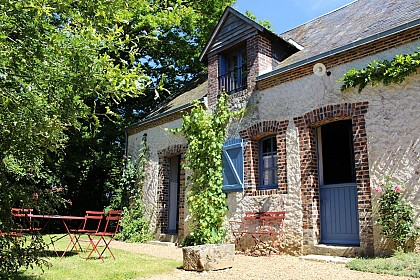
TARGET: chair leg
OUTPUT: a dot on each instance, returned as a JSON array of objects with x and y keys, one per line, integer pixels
[
  {"x": 95, "y": 247},
  {"x": 74, "y": 242},
  {"x": 107, "y": 247}
]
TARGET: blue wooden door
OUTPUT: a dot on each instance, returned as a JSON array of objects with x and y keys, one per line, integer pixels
[
  {"x": 339, "y": 215},
  {"x": 337, "y": 190}
]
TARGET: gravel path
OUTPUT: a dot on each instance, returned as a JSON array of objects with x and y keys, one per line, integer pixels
[{"x": 247, "y": 267}]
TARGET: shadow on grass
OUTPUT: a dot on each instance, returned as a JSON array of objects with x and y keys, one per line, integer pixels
[
  {"x": 18, "y": 276},
  {"x": 58, "y": 254}
]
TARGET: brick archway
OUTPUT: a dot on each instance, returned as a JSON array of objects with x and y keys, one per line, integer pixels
[
  {"x": 309, "y": 169},
  {"x": 251, "y": 137}
]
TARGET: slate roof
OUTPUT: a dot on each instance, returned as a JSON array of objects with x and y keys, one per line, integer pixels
[
  {"x": 183, "y": 100},
  {"x": 352, "y": 22}
]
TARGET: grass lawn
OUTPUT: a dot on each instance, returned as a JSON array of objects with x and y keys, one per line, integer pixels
[
  {"x": 72, "y": 266},
  {"x": 400, "y": 264}
]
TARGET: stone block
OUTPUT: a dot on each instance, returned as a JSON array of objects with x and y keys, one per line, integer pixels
[{"x": 208, "y": 257}]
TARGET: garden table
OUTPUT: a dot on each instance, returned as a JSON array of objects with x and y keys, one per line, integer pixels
[{"x": 64, "y": 220}]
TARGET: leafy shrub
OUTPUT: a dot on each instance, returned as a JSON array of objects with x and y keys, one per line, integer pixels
[
  {"x": 395, "y": 214},
  {"x": 135, "y": 228}
]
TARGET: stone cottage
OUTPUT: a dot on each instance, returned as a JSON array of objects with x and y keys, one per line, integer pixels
[{"x": 303, "y": 146}]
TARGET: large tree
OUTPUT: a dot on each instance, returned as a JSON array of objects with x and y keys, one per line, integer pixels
[
  {"x": 169, "y": 36},
  {"x": 71, "y": 73}
]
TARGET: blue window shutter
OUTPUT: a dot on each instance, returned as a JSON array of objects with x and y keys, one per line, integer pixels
[{"x": 233, "y": 166}]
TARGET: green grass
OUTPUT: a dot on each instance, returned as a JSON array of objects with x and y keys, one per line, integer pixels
[
  {"x": 126, "y": 266},
  {"x": 400, "y": 264}
]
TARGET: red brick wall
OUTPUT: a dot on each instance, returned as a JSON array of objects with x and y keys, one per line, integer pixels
[
  {"x": 213, "y": 79},
  {"x": 163, "y": 189},
  {"x": 309, "y": 167},
  {"x": 259, "y": 59},
  {"x": 251, "y": 137}
]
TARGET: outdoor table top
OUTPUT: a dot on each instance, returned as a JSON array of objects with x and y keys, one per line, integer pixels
[{"x": 58, "y": 217}]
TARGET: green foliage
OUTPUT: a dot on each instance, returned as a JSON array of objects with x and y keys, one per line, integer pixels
[
  {"x": 135, "y": 227},
  {"x": 395, "y": 214},
  {"x": 384, "y": 71},
  {"x": 205, "y": 133},
  {"x": 154, "y": 29},
  {"x": 127, "y": 195},
  {"x": 265, "y": 23},
  {"x": 69, "y": 71},
  {"x": 24, "y": 251},
  {"x": 400, "y": 264},
  {"x": 54, "y": 67}
]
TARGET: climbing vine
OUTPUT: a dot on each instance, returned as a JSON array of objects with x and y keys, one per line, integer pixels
[
  {"x": 205, "y": 133},
  {"x": 387, "y": 72},
  {"x": 128, "y": 195}
]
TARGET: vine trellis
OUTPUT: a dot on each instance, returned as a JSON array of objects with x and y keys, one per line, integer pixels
[{"x": 387, "y": 72}]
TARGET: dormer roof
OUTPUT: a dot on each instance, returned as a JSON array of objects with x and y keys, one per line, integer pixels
[{"x": 234, "y": 28}]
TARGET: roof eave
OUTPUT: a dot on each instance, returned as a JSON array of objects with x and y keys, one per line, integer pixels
[
  {"x": 222, "y": 20},
  {"x": 165, "y": 114}
]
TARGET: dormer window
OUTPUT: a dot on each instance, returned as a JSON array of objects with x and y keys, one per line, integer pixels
[{"x": 233, "y": 72}]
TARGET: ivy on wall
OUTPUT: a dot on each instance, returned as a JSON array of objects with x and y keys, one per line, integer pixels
[
  {"x": 128, "y": 195},
  {"x": 205, "y": 133},
  {"x": 387, "y": 72}
]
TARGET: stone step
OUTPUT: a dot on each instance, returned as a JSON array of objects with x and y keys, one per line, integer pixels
[
  {"x": 168, "y": 238},
  {"x": 334, "y": 250},
  {"x": 321, "y": 258},
  {"x": 162, "y": 243}
]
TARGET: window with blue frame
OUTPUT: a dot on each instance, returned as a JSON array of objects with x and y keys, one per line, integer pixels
[
  {"x": 268, "y": 163},
  {"x": 233, "y": 72}
]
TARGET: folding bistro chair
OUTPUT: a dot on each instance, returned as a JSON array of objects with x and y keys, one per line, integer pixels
[
  {"x": 111, "y": 228},
  {"x": 91, "y": 225},
  {"x": 21, "y": 222}
]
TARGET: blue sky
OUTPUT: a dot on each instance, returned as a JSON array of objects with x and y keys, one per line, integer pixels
[{"x": 286, "y": 14}]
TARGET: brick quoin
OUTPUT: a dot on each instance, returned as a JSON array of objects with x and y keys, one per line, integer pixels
[
  {"x": 213, "y": 78},
  {"x": 163, "y": 188},
  {"x": 251, "y": 137},
  {"x": 309, "y": 168}
]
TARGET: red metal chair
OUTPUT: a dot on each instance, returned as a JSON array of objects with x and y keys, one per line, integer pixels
[
  {"x": 91, "y": 225},
  {"x": 111, "y": 228},
  {"x": 22, "y": 222}
]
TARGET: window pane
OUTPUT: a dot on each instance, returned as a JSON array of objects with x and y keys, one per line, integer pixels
[
  {"x": 268, "y": 177},
  {"x": 268, "y": 162},
  {"x": 266, "y": 146},
  {"x": 232, "y": 62}
]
